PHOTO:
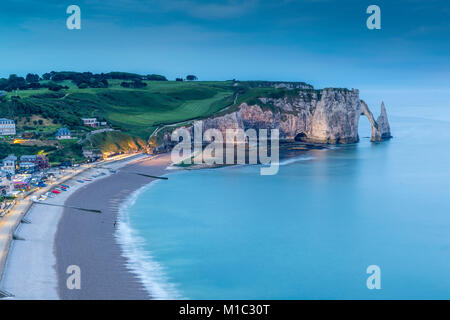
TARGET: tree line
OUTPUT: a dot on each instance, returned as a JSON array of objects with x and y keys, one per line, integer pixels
[{"x": 82, "y": 80}]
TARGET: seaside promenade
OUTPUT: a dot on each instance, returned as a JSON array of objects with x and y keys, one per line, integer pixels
[{"x": 10, "y": 222}]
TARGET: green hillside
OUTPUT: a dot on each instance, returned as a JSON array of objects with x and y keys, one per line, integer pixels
[
  {"x": 113, "y": 142},
  {"x": 137, "y": 112}
]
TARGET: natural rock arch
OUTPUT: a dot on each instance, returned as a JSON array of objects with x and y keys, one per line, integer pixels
[{"x": 380, "y": 127}]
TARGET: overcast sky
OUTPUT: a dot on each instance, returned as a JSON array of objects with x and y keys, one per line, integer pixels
[{"x": 322, "y": 42}]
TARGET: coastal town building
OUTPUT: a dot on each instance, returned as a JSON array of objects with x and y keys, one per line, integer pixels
[
  {"x": 63, "y": 133},
  {"x": 27, "y": 166},
  {"x": 33, "y": 162},
  {"x": 93, "y": 154},
  {"x": 28, "y": 158},
  {"x": 90, "y": 122},
  {"x": 7, "y": 127},
  {"x": 9, "y": 164},
  {"x": 93, "y": 122}
]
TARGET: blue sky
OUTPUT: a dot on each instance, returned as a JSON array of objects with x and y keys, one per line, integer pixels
[{"x": 323, "y": 42}]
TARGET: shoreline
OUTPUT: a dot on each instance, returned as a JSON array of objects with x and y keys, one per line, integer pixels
[
  {"x": 139, "y": 261},
  {"x": 90, "y": 241}
]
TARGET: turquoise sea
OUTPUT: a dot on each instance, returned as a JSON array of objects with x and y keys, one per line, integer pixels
[{"x": 308, "y": 232}]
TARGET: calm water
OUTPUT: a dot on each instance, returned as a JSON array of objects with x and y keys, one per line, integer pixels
[{"x": 309, "y": 232}]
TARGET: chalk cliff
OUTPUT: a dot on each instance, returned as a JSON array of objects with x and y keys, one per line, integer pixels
[
  {"x": 320, "y": 116},
  {"x": 301, "y": 113}
]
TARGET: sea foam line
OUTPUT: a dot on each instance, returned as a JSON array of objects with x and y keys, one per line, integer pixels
[
  {"x": 295, "y": 159},
  {"x": 140, "y": 261}
]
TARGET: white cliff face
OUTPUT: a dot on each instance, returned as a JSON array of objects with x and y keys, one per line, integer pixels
[
  {"x": 335, "y": 118},
  {"x": 327, "y": 116}
]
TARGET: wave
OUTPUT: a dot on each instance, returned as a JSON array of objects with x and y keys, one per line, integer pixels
[
  {"x": 295, "y": 159},
  {"x": 139, "y": 260},
  {"x": 173, "y": 168}
]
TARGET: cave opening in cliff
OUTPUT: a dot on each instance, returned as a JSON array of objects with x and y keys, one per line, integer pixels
[{"x": 301, "y": 137}]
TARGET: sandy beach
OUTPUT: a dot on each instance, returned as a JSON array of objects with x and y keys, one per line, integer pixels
[{"x": 58, "y": 237}]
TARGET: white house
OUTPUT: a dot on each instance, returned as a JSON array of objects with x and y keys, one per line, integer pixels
[
  {"x": 7, "y": 127},
  {"x": 63, "y": 133},
  {"x": 90, "y": 122},
  {"x": 9, "y": 164}
]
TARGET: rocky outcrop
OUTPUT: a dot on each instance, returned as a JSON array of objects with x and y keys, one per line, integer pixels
[
  {"x": 326, "y": 116},
  {"x": 383, "y": 131},
  {"x": 380, "y": 128}
]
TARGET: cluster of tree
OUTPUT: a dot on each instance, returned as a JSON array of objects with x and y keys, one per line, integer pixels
[
  {"x": 156, "y": 77},
  {"x": 31, "y": 81},
  {"x": 123, "y": 76},
  {"x": 92, "y": 80},
  {"x": 81, "y": 79},
  {"x": 35, "y": 122},
  {"x": 20, "y": 150},
  {"x": 136, "y": 84},
  {"x": 52, "y": 86},
  {"x": 32, "y": 78},
  {"x": 13, "y": 83},
  {"x": 74, "y": 76},
  {"x": 70, "y": 152},
  {"x": 134, "y": 76},
  {"x": 189, "y": 77},
  {"x": 85, "y": 80},
  {"x": 58, "y": 112}
]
